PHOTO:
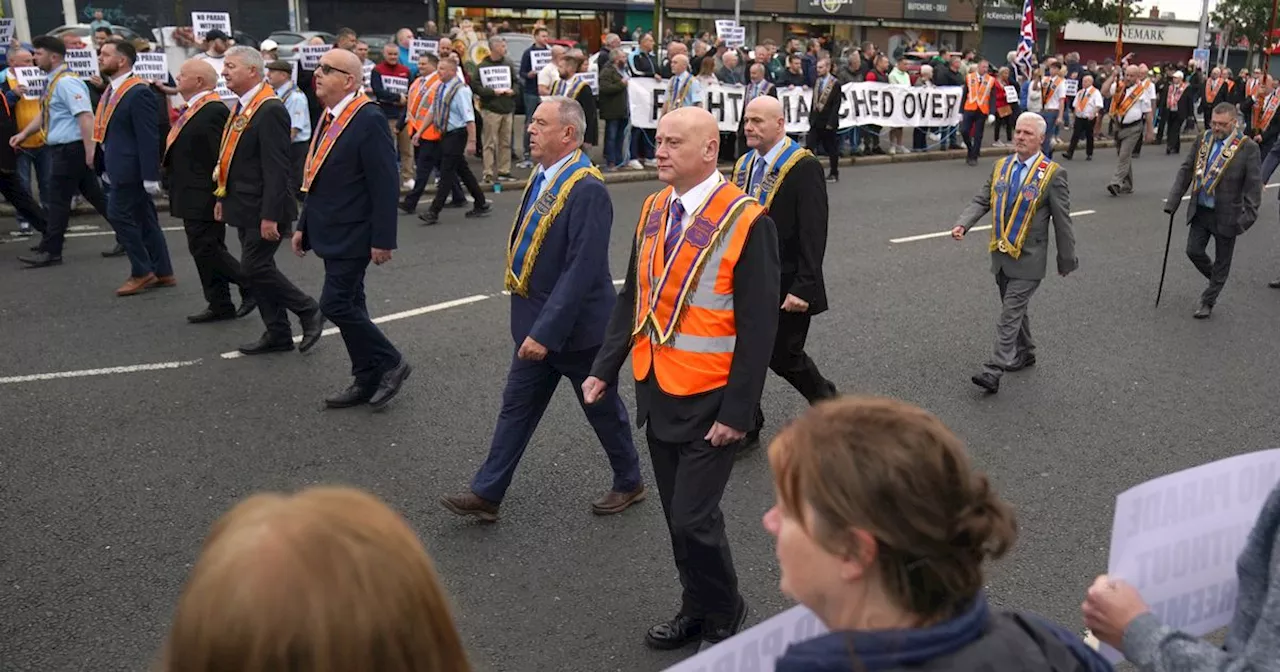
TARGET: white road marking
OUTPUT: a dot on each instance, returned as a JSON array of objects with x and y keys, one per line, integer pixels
[
  {"x": 986, "y": 227},
  {"x": 1273, "y": 185},
  {"x": 81, "y": 234},
  {"x": 97, "y": 372}
]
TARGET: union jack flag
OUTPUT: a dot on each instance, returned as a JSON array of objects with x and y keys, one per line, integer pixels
[{"x": 1027, "y": 40}]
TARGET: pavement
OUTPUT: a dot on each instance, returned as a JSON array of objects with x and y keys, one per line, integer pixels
[{"x": 126, "y": 433}]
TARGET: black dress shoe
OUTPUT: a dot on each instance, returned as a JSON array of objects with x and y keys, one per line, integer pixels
[
  {"x": 712, "y": 635},
  {"x": 1024, "y": 362},
  {"x": 40, "y": 260},
  {"x": 987, "y": 382},
  {"x": 248, "y": 304},
  {"x": 312, "y": 328},
  {"x": 675, "y": 633},
  {"x": 404, "y": 207},
  {"x": 429, "y": 218},
  {"x": 479, "y": 211},
  {"x": 833, "y": 178},
  {"x": 356, "y": 395},
  {"x": 1274, "y": 284},
  {"x": 117, "y": 251},
  {"x": 211, "y": 315},
  {"x": 1204, "y": 312},
  {"x": 266, "y": 344},
  {"x": 390, "y": 385}
]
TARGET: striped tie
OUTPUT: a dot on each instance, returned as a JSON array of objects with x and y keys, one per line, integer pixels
[{"x": 673, "y": 232}]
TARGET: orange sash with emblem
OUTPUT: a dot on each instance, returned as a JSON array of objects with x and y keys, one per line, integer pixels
[
  {"x": 107, "y": 106},
  {"x": 187, "y": 114},
  {"x": 1264, "y": 112},
  {"x": 1211, "y": 91},
  {"x": 321, "y": 145},
  {"x": 231, "y": 134},
  {"x": 1120, "y": 104}
]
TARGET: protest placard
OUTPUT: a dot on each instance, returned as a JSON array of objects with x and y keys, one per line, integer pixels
[
  {"x": 33, "y": 80},
  {"x": 6, "y": 35},
  {"x": 723, "y": 25},
  {"x": 1011, "y": 93},
  {"x": 757, "y": 647},
  {"x": 398, "y": 85},
  {"x": 628, "y": 46},
  {"x": 592, "y": 79},
  {"x": 153, "y": 66},
  {"x": 203, "y": 22},
  {"x": 1070, "y": 87},
  {"x": 495, "y": 77},
  {"x": 735, "y": 37},
  {"x": 539, "y": 58},
  {"x": 83, "y": 62},
  {"x": 227, "y": 95},
  {"x": 420, "y": 47},
  {"x": 366, "y": 72},
  {"x": 309, "y": 55},
  {"x": 1177, "y": 539}
]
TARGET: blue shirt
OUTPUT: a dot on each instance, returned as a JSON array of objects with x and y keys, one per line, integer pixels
[
  {"x": 1204, "y": 198},
  {"x": 299, "y": 113},
  {"x": 550, "y": 174},
  {"x": 694, "y": 94},
  {"x": 69, "y": 100},
  {"x": 461, "y": 110}
]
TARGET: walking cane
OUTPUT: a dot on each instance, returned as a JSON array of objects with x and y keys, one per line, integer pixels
[{"x": 1164, "y": 266}]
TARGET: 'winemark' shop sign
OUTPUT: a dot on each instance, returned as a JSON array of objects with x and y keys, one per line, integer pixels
[{"x": 1137, "y": 33}]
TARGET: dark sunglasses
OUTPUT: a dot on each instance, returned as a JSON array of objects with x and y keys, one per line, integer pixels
[{"x": 329, "y": 69}]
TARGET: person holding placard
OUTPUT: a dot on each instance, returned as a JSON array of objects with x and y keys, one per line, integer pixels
[
  {"x": 216, "y": 44},
  {"x": 390, "y": 83},
  {"x": 67, "y": 121},
  {"x": 32, "y": 158},
  {"x": 492, "y": 81},
  {"x": 529, "y": 76},
  {"x": 11, "y": 186}
]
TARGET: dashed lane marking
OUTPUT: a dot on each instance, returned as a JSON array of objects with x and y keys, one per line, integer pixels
[
  {"x": 987, "y": 227},
  {"x": 97, "y": 372},
  {"x": 73, "y": 234}
]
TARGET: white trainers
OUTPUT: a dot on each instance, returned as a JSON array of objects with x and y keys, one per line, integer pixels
[
  {"x": 634, "y": 164},
  {"x": 408, "y": 184},
  {"x": 650, "y": 163}
]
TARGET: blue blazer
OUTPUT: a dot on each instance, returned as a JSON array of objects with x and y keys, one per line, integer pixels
[
  {"x": 571, "y": 293},
  {"x": 131, "y": 150},
  {"x": 351, "y": 206}
]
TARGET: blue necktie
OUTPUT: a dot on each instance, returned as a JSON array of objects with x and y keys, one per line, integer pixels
[
  {"x": 534, "y": 190},
  {"x": 758, "y": 174},
  {"x": 673, "y": 231},
  {"x": 1014, "y": 187}
]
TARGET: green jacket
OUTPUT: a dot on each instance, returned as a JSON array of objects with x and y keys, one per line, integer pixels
[
  {"x": 613, "y": 95},
  {"x": 490, "y": 101}
]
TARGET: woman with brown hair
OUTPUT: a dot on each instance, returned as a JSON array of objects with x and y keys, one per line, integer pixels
[
  {"x": 882, "y": 529},
  {"x": 327, "y": 580}
]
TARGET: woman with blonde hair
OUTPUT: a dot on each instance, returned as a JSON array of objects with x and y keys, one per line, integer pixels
[
  {"x": 882, "y": 529},
  {"x": 327, "y": 580}
]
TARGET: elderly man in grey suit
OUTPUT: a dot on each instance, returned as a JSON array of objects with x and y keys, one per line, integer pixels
[
  {"x": 1024, "y": 191},
  {"x": 1224, "y": 176}
]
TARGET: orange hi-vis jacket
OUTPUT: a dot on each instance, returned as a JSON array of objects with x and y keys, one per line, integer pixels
[
  {"x": 684, "y": 327},
  {"x": 419, "y": 103},
  {"x": 978, "y": 92}
]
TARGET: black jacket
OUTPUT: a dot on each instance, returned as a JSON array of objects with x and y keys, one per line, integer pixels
[
  {"x": 258, "y": 182},
  {"x": 191, "y": 161},
  {"x": 8, "y": 128},
  {"x": 829, "y": 116},
  {"x": 799, "y": 212}
]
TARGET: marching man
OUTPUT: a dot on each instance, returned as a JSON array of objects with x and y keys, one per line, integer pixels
[{"x": 1131, "y": 110}]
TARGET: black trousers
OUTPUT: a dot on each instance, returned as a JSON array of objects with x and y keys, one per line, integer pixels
[
  {"x": 454, "y": 169},
  {"x": 972, "y": 123},
  {"x": 274, "y": 292},
  {"x": 793, "y": 364},
  {"x": 1081, "y": 127},
  {"x": 827, "y": 139},
  {"x": 426, "y": 160},
  {"x": 1173, "y": 142},
  {"x": 343, "y": 302},
  {"x": 691, "y": 478},
  {"x": 1216, "y": 270},
  {"x": 1006, "y": 123},
  {"x": 70, "y": 176},
  {"x": 26, "y": 206},
  {"x": 218, "y": 270}
]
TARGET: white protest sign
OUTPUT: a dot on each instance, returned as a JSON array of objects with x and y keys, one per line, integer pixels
[
  {"x": 420, "y": 47},
  {"x": 862, "y": 104},
  {"x": 725, "y": 24},
  {"x": 203, "y": 22},
  {"x": 224, "y": 93},
  {"x": 758, "y": 647},
  {"x": 309, "y": 55},
  {"x": 592, "y": 79},
  {"x": 539, "y": 58},
  {"x": 735, "y": 37},
  {"x": 495, "y": 77},
  {"x": 366, "y": 72},
  {"x": 6, "y": 34},
  {"x": 34, "y": 80},
  {"x": 628, "y": 46},
  {"x": 152, "y": 66},
  {"x": 83, "y": 62},
  {"x": 1177, "y": 539},
  {"x": 1011, "y": 94},
  {"x": 398, "y": 85},
  {"x": 1070, "y": 88}
]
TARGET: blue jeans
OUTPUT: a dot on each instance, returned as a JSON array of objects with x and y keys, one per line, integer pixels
[
  {"x": 37, "y": 159},
  {"x": 1050, "y": 132},
  {"x": 614, "y": 130},
  {"x": 642, "y": 143}
]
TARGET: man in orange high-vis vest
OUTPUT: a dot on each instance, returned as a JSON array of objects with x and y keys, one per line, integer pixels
[
  {"x": 698, "y": 315},
  {"x": 979, "y": 99},
  {"x": 425, "y": 135}
]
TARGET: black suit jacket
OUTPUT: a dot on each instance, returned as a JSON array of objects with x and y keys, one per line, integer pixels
[
  {"x": 258, "y": 183},
  {"x": 799, "y": 212},
  {"x": 587, "y": 99},
  {"x": 828, "y": 117},
  {"x": 755, "y": 308},
  {"x": 1237, "y": 196},
  {"x": 191, "y": 161}
]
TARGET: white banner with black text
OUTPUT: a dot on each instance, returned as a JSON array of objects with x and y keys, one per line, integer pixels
[{"x": 863, "y": 104}]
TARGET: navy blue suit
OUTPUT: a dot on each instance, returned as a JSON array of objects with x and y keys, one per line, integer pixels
[
  {"x": 131, "y": 155},
  {"x": 351, "y": 209},
  {"x": 569, "y": 302}
]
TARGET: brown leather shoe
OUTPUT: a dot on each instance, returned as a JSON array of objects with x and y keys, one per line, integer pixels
[
  {"x": 617, "y": 502},
  {"x": 136, "y": 285},
  {"x": 470, "y": 504},
  {"x": 164, "y": 281}
]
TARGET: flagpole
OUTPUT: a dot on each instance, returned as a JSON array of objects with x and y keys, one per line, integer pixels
[
  {"x": 1120, "y": 33},
  {"x": 1258, "y": 98}
]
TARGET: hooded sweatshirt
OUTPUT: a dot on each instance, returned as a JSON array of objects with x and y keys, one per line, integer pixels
[{"x": 974, "y": 641}]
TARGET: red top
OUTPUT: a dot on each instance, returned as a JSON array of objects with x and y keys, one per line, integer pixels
[{"x": 397, "y": 70}]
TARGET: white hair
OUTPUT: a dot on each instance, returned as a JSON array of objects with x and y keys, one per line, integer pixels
[
  {"x": 1035, "y": 120},
  {"x": 252, "y": 58},
  {"x": 496, "y": 40},
  {"x": 571, "y": 114}
]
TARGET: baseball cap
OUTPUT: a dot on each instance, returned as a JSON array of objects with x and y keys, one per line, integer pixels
[
  {"x": 215, "y": 34},
  {"x": 268, "y": 45}
]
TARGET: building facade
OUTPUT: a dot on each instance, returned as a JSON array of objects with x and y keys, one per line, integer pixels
[{"x": 1150, "y": 41}]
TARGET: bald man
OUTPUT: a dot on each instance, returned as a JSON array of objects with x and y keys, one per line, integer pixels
[
  {"x": 787, "y": 180},
  {"x": 683, "y": 90},
  {"x": 1131, "y": 113},
  {"x": 698, "y": 372},
  {"x": 191, "y": 153}
]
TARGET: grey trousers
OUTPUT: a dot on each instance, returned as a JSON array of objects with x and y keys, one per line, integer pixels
[
  {"x": 1013, "y": 331},
  {"x": 1214, "y": 270},
  {"x": 1126, "y": 141}
]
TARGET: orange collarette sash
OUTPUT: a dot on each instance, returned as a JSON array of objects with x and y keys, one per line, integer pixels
[
  {"x": 322, "y": 145},
  {"x": 1082, "y": 99},
  {"x": 1251, "y": 87},
  {"x": 231, "y": 134},
  {"x": 1120, "y": 104},
  {"x": 1211, "y": 91},
  {"x": 187, "y": 114},
  {"x": 1262, "y": 114},
  {"x": 1175, "y": 95},
  {"x": 107, "y": 106}
]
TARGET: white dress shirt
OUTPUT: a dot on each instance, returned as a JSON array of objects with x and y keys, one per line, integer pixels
[
  {"x": 248, "y": 97},
  {"x": 342, "y": 105},
  {"x": 1093, "y": 103},
  {"x": 550, "y": 174},
  {"x": 198, "y": 96},
  {"x": 118, "y": 80},
  {"x": 1054, "y": 102},
  {"x": 693, "y": 200},
  {"x": 1140, "y": 106}
]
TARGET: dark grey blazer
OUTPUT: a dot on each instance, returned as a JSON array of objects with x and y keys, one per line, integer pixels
[
  {"x": 1055, "y": 203},
  {"x": 1237, "y": 196}
]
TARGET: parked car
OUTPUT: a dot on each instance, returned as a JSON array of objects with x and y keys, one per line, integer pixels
[
  {"x": 376, "y": 43},
  {"x": 86, "y": 33},
  {"x": 289, "y": 40}
]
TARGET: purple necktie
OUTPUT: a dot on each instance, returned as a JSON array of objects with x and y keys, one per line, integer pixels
[{"x": 673, "y": 231}]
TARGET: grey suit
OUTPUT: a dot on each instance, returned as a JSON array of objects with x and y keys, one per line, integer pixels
[
  {"x": 1017, "y": 279},
  {"x": 1236, "y": 199}
]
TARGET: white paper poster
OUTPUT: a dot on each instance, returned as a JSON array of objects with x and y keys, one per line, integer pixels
[
  {"x": 735, "y": 37},
  {"x": 495, "y": 77},
  {"x": 1011, "y": 94},
  {"x": 83, "y": 62},
  {"x": 203, "y": 22},
  {"x": 227, "y": 95},
  {"x": 725, "y": 24},
  {"x": 540, "y": 58},
  {"x": 420, "y": 47},
  {"x": 592, "y": 79},
  {"x": 152, "y": 66},
  {"x": 758, "y": 647},
  {"x": 310, "y": 54},
  {"x": 366, "y": 72},
  {"x": 34, "y": 80},
  {"x": 6, "y": 34},
  {"x": 1070, "y": 88},
  {"x": 1177, "y": 539},
  {"x": 398, "y": 85}
]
